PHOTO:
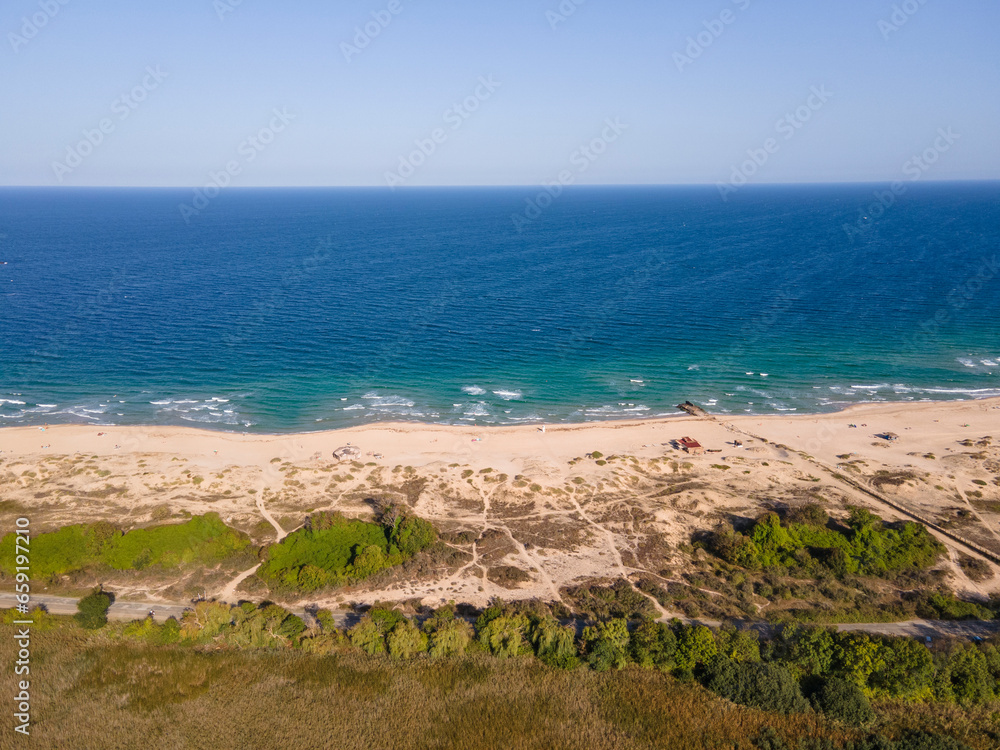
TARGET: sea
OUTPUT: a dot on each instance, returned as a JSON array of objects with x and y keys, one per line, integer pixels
[{"x": 287, "y": 310}]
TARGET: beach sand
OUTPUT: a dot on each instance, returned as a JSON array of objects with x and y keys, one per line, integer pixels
[{"x": 527, "y": 500}]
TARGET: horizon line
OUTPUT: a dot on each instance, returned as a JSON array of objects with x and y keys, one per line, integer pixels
[{"x": 498, "y": 186}]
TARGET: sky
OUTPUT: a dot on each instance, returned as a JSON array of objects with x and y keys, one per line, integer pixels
[{"x": 496, "y": 92}]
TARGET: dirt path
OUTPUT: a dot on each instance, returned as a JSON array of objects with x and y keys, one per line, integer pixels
[
  {"x": 229, "y": 591},
  {"x": 856, "y": 488},
  {"x": 270, "y": 519},
  {"x": 975, "y": 512},
  {"x": 228, "y": 594}
]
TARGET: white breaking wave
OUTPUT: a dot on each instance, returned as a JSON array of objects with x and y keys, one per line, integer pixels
[
  {"x": 477, "y": 410},
  {"x": 508, "y": 395},
  {"x": 473, "y": 390}
]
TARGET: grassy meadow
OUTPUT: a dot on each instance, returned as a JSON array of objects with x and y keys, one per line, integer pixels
[{"x": 99, "y": 689}]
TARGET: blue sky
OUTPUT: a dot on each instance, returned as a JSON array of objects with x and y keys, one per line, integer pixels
[{"x": 223, "y": 68}]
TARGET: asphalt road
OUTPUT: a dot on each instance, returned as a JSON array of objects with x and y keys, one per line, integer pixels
[{"x": 124, "y": 610}]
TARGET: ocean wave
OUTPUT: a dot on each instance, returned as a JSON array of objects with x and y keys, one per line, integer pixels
[
  {"x": 473, "y": 390},
  {"x": 984, "y": 392},
  {"x": 621, "y": 410},
  {"x": 379, "y": 402},
  {"x": 508, "y": 395},
  {"x": 81, "y": 413},
  {"x": 11, "y": 401}
]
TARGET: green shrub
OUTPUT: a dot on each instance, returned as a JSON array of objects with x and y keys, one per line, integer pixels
[
  {"x": 505, "y": 635},
  {"x": 653, "y": 645},
  {"x": 93, "y": 610},
  {"x": 757, "y": 684},
  {"x": 406, "y": 641},
  {"x": 869, "y": 547},
  {"x": 202, "y": 540},
  {"x": 449, "y": 636},
  {"x": 844, "y": 701},
  {"x": 333, "y": 550},
  {"x": 607, "y": 645}
]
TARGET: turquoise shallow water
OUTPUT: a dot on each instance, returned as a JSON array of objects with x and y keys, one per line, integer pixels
[{"x": 282, "y": 310}]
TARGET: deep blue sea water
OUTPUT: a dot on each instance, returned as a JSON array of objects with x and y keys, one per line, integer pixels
[{"x": 280, "y": 310}]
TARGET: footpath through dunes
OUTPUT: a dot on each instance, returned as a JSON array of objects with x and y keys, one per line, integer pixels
[
  {"x": 902, "y": 463},
  {"x": 527, "y": 514}
]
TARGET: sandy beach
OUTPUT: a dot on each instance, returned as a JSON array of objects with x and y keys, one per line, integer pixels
[
  {"x": 925, "y": 426},
  {"x": 563, "y": 505}
]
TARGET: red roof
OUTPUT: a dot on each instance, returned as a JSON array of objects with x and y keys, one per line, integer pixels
[{"x": 688, "y": 442}]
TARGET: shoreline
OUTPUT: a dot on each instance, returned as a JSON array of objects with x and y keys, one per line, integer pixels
[
  {"x": 615, "y": 423},
  {"x": 511, "y": 447}
]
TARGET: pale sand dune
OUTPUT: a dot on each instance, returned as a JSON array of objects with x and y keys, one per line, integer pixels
[{"x": 563, "y": 522}]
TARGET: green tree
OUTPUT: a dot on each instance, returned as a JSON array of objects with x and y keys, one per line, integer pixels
[
  {"x": 653, "y": 645},
  {"x": 406, "y": 641},
  {"x": 92, "y": 609},
  {"x": 504, "y": 635},
  {"x": 449, "y": 637},
  {"x": 756, "y": 684},
  {"x": 738, "y": 645},
  {"x": 856, "y": 657},
  {"x": 368, "y": 636},
  {"x": 695, "y": 646},
  {"x": 312, "y": 578},
  {"x": 170, "y": 632},
  {"x": 806, "y": 650},
  {"x": 368, "y": 562},
  {"x": 907, "y": 670},
  {"x": 607, "y": 645},
  {"x": 326, "y": 622},
  {"x": 206, "y": 620},
  {"x": 413, "y": 535},
  {"x": 970, "y": 676},
  {"x": 554, "y": 644},
  {"x": 844, "y": 701}
]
